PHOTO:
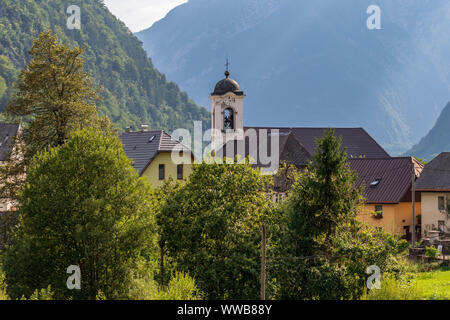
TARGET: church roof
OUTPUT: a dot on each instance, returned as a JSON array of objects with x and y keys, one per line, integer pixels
[
  {"x": 7, "y": 132},
  {"x": 357, "y": 141},
  {"x": 143, "y": 146},
  {"x": 297, "y": 145},
  {"x": 227, "y": 85},
  {"x": 290, "y": 150}
]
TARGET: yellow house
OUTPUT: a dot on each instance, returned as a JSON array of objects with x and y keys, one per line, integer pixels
[
  {"x": 388, "y": 195},
  {"x": 157, "y": 156}
]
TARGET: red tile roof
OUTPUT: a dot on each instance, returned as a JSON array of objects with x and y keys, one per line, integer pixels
[{"x": 394, "y": 175}]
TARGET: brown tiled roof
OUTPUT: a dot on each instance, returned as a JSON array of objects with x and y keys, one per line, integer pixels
[
  {"x": 394, "y": 175},
  {"x": 143, "y": 146},
  {"x": 7, "y": 132},
  {"x": 357, "y": 141},
  {"x": 436, "y": 174},
  {"x": 290, "y": 150}
]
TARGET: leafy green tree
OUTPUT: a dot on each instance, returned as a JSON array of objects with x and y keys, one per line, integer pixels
[
  {"x": 54, "y": 92},
  {"x": 211, "y": 227},
  {"x": 82, "y": 204},
  {"x": 54, "y": 96},
  {"x": 324, "y": 251}
]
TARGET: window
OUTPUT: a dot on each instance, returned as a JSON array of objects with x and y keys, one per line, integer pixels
[
  {"x": 228, "y": 119},
  {"x": 162, "y": 172},
  {"x": 441, "y": 204},
  {"x": 180, "y": 172},
  {"x": 379, "y": 211},
  {"x": 375, "y": 182}
]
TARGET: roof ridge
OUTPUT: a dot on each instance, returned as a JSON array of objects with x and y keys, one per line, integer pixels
[
  {"x": 161, "y": 132},
  {"x": 364, "y": 130},
  {"x": 298, "y": 141},
  {"x": 383, "y": 158},
  {"x": 290, "y": 127},
  {"x": 176, "y": 140}
]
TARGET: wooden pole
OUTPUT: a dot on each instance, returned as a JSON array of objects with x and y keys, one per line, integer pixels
[
  {"x": 161, "y": 271},
  {"x": 263, "y": 262},
  {"x": 413, "y": 191}
]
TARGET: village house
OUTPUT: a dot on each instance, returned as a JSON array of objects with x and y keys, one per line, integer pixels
[
  {"x": 434, "y": 186},
  {"x": 387, "y": 186},
  {"x": 151, "y": 152},
  {"x": 386, "y": 180},
  {"x": 296, "y": 144},
  {"x": 8, "y": 132}
]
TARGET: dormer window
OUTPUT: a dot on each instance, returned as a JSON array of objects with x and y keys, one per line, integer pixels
[
  {"x": 375, "y": 182},
  {"x": 228, "y": 119}
]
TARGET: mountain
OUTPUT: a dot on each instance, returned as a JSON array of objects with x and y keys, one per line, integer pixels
[
  {"x": 436, "y": 141},
  {"x": 315, "y": 63},
  {"x": 134, "y": 91}
]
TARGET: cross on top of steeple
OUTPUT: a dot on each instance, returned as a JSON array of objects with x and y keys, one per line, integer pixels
[{"x": 227, "y": 72}]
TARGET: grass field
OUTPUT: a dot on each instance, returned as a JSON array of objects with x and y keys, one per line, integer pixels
[
  {"x": 434, "y": 284},
  {"x": 423, "y": 282}
]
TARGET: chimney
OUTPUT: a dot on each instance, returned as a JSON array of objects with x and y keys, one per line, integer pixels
[
  {"x": 144, "y": 128},
  {"x": 128, "y": 129}
]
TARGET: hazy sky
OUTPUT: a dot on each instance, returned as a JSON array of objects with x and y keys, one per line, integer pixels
[{"x": 141, "y": 14}]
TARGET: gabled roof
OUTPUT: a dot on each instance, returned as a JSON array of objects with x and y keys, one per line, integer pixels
[
  {"x": 357, "y": 141},
  {"x": 394, "y": 177},
  {"x": 436, "y": 174},
  {"x": 143, "y": 146},
  {"x": 290, "y": 149},
  {"x": 7, "y": 132}
]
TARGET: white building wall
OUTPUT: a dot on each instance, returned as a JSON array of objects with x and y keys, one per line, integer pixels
[{"x": 431, "y": 213}]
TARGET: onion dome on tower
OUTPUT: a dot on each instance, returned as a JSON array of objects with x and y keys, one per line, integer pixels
[{"x": 227, "y": 85}]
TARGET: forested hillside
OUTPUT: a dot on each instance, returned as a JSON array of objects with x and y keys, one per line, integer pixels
[{"x": 134, "y": 91}]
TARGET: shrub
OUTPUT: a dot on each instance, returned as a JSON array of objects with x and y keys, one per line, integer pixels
[
  {"x": 3, "y": 295},
  {"x": 43, "y": 294},
  {"x": 431, "y": 252},
  {"x": 181, "y": 286},
  {"x": 394, "y": 289}
]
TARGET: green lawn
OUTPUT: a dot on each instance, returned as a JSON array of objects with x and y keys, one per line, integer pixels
[{"x": 434, "y": 284}]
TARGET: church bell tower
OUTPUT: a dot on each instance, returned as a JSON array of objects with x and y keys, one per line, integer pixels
[{"x": 227, "y": 111}]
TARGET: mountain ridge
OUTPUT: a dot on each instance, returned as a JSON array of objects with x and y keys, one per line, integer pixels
[
  {"x": 134, "y": 91},
  {"x": 437, "y": 140},
  {"x": 315, "y": 60}
]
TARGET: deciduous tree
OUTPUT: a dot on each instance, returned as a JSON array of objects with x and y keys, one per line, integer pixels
[
  {"x": 211, "y": 227},
  {"x": 82, "y": 204}
]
